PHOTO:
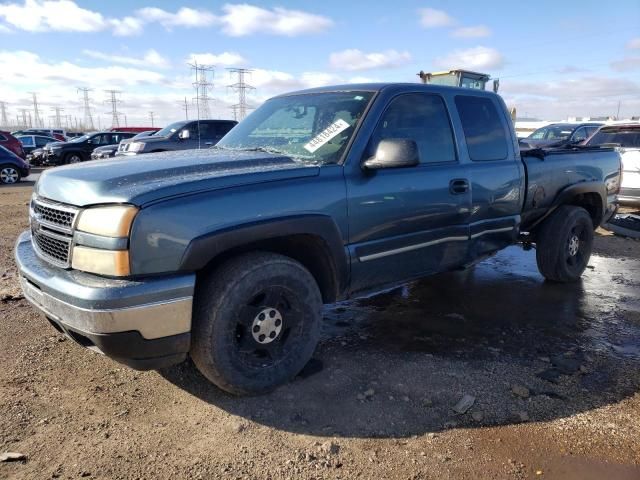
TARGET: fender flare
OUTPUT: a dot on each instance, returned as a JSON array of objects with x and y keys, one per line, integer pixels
[
  {"x": 203, "y": 249},
  {"x": 566, "y": 194}
]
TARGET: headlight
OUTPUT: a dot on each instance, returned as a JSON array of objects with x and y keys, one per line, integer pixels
[
  {"x": 136, "y": 146},
  {"x": 54, "y": 148},
  {"x": 114, "y": 263},
  {"x": 111, "y": 221}
]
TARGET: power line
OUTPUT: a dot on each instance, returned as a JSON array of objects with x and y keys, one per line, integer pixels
[
  {"x": 37, "y": 121},
  {"x": 88, "y": 118},
  {"x": 57, "y": 117},
  {"x": 202, "y": 86},
  {"x": 113, "y": 100},
  {"x": 240, "y": 87},
  {"x": 3, "y": 108}
]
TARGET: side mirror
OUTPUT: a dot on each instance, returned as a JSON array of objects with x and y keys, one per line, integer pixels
[
  {"x": 394, "y": 153},
  {"x": 184, "y": 134}
]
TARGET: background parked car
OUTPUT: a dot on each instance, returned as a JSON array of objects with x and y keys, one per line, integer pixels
[
  {"x": 36, "y": 157},
  {"x": 559, "y": 134},
  {"x": 79, "y": 149},
  {"x": 627, "y": 138},
  {"x": 104, "y": 152},
  {"x": 12, "y": 167},
  {"x": 183, "y": 135},
  {"x": 31, "y": 142},
  {"x": 12, "y": 144},
  {"x": 134, "y": 129},
  {"x": 58, "y": 134}
]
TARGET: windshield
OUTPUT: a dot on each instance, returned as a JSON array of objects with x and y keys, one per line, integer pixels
[
  {"x": 170, "y": 129},
  {"x": 315, "y": 127},
  {"x": 80, "y": 139},
  {"x": 625, "y": 138},
  {"x": 553, "y": 132}
]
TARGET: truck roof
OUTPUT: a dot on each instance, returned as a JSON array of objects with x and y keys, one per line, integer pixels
[{"x": 377, "y": 87}]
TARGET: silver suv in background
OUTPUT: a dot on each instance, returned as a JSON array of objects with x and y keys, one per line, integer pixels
[{"x": 184, "y": 135}]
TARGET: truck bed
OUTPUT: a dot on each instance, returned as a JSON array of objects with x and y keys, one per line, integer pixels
[{"x": 550, "y": 172}]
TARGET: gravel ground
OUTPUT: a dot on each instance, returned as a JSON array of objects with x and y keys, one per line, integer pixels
[{"x": 489, "y": 373}]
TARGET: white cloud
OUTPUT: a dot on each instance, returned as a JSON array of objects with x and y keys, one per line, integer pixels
[
  {"x": 55, "y": 15},
  {"x": 151, "y": 59},
  {"x": 627, "y": 64},
  {"x": 476, "y": 31},
  {"x": 357, "y": 60},
  {"x": 634, "y": 44},
  {"x": 477, "y": 58},
  {"x": 243, "y": 19},
  {"x": 184, "y": 17},
  {"x": 127, "y": 26},
  {"x": 224, "y": 59},
  {"x": 432, "y": 18}
]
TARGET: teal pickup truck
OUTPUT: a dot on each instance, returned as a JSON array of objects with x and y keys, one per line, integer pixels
[{"x": 227, "y": 254}]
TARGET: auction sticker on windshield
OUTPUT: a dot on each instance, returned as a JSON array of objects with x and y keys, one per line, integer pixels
[{"x": 327, "y": 134}]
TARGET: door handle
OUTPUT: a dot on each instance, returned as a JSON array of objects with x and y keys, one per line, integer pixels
[{"x": 458, "y": 186}]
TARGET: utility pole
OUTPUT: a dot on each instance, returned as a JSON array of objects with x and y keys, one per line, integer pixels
[
  {"x": 113, "y": 100},
  {"x": 618, "y": 114},
  {"x": 5, "y": 120},
  {"x": 241, "y": 87},
  {"x": 37, "y": 121},
  {"x": 202, "y": 86},
  {"x": 57, "y": 119},
  {"x": 151, "y": 117},
  {"x": 88, "y": 118},
  {"x": 23, "y": 114}
]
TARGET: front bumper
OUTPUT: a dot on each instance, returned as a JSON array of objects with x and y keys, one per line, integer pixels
[{"x": 145, "y": 324}]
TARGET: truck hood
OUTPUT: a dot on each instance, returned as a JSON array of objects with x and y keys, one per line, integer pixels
[{"x": 153, "y": 176}]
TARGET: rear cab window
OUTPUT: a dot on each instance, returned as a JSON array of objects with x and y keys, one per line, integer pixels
[{"x": 484, "y": 132}]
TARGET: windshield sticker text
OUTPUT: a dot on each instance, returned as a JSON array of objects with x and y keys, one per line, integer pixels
[{"x": 326, "y": 135}]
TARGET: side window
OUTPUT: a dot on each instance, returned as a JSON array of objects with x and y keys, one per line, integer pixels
[
  {"x": 483, "y": 131},
  {"x": 207, "y": 130},
  {"x": 3, "y": 138},
  {"x": 579, "y": 135},
  {"x": 42, "y": 141},
  {"x": 422, "y": 118},
  {"x": 27, "y": 141},
  {"x": 591, "y": 131},
  {"x": 223, "y": 128}
]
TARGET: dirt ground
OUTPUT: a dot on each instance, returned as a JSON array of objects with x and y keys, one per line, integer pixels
[{"x": 553, "y": 371}]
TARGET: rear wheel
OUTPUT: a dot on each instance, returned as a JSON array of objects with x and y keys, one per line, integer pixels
[
  {"x": 9, "y": 174},
  {"x": 564, "y": 243},
  {"x": 256, "y": 322}
]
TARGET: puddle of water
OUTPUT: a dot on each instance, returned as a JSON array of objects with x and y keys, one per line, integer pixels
[{"x": 501, "y": 305}]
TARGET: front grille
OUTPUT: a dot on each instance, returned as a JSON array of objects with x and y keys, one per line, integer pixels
[
  {"x": 55, "y": 249},
  {"x": 54, "y": 215},
  {"x": 52, "y": 231}
]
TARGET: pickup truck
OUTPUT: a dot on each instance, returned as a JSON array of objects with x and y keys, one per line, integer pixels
[
  {"x": 183, "y": 135},
  {"x": 227, "y": 254}
]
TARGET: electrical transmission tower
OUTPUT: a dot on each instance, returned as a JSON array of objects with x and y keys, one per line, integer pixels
[
  {"x": 151, "y": 117},
  {"x": 185, "y": 107},
  {"x": 23, "y": 118},
  {"x": 202, "y": 86},
  {"x": 113, "y": 100},
  {"x": 37, "y": 121},
  {"x": 240, "y": 87},
  {"x": 88, "y": 118},
  {"x": 57, "y": 119},
  {"x": 5, "y": 120}
]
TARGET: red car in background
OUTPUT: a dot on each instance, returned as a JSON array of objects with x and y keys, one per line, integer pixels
[{"x": 12, "y": 144}]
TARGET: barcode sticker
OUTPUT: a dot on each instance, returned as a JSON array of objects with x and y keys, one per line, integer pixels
[{"x": 327, "y": 134}]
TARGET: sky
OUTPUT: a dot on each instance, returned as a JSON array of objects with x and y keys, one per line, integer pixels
[{"x": 554, "y": 59}]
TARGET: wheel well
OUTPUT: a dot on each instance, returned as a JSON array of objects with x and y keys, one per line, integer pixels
[
  {"x": 310, "y": 250},
  {"x": 592, "y": 203}
]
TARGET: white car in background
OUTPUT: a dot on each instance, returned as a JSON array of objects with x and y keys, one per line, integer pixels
[{"x": 627, "y": 138}]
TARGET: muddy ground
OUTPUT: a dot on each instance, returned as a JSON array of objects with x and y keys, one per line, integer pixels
[{"x": 554, "y": 370}]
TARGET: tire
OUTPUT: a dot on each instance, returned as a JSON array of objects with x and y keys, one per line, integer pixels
[
  {"x": 72, "y": 158},
  {"x": 9, "y": 175},
  {"x": 564, "y": 244},
  {"x": 243, "y": 304}
]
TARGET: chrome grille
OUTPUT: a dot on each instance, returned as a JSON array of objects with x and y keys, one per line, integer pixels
[
  {"x": 52, "y": 230},
  {"x": 56, "y": 250}
]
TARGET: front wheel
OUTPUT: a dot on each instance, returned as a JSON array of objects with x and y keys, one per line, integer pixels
[
  {"x": 9, "y": 174},
  {"x": 564, "y": 243},
  {"x": 256, "y": 322},
  {"x": 73, "y": 158}
]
